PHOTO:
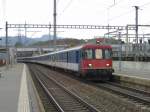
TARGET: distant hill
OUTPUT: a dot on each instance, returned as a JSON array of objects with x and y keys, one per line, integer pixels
[
  {"x": 46, "y": 41},
  {"x": 68, "y": 42},
  {"x": 25, "y": 41}
]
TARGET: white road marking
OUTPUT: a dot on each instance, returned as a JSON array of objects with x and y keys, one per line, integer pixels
[{"x": 23, "y": 103}]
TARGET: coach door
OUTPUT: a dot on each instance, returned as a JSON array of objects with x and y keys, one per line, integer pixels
[
  {"x": 77, "y": 60},
  {"x": 77, "y": 56}
]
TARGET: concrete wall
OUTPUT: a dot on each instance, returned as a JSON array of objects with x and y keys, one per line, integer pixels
[{"x": 132, "y": 66}]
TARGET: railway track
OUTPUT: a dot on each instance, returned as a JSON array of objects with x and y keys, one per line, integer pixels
[
  {"x": 62, "y": 99},
  {"x": 137, "y": 95},
  {"x": 68, "y": 81},
  {"x": 47, "y": 102}
]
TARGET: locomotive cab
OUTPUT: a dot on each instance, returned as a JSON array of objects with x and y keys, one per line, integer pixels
[{"x": 96, "y": 62}]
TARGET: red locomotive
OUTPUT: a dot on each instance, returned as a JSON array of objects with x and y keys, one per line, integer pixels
[{"x": 97, "y": 62}]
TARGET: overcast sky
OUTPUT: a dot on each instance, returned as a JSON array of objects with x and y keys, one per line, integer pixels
[{"x": 97, "y": 12}]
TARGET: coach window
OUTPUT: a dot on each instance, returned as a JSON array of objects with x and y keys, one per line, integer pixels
[
  {"x": 98, "y": 54},
  {"x": 88, "y": 54}
]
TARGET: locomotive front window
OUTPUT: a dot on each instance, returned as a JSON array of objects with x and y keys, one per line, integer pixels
[
  {"x": 107, "y": 54},
  {"x": 88, "y": 54},
  {"x": 98, "y": 54}
]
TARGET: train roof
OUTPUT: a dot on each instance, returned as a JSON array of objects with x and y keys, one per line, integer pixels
[
  {"x": 80, "y": 47},
  {"x": 55, "y": 52},
  {"x": 72, "y": 49}
]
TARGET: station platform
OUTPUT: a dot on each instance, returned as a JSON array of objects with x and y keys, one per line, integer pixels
[
  {"x": 132, "y": 68},
  {"x": 17, "y": 91},
  {"x": 133, "y": 72}
]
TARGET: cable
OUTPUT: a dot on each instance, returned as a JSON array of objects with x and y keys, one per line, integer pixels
[
  {"x": 120, "y": 15},
  {"x": 4, "y": 9},
  {"x": 112, "y": 6},
  {"x": 148, "y": 3},
  {"x": 66, "y": 7},
  {"x": 58, "y": 2},
  {"x": 116, "y": 3}
]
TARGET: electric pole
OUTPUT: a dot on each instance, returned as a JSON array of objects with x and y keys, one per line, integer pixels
[
  {"x": 120, "y": 50},
  {"x": 25, "y": 33},
  {"x": 49, "y": 35},
  {"x": 136, "y": 22},
  {"x": 55, "y": 14},
  {"x": 136, "y": 31},
  {"x": 114, "y": 2},
  {"x": 7, "y": 48}
]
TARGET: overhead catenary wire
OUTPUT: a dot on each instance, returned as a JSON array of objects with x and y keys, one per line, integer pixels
[
  {"x": 58, "y": 1},
  {"x": 4, "y": 10},
  {"x": 117, "y": 3},
  {"x": 121, "y": 15},
  {"x": 66, "y": 7},
  {"x": 125, "y": 13},
  {"x": 113, "y": 6},
  {"x": 145, "y": 4}
]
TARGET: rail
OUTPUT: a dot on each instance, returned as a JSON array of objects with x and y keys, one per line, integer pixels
[
  {"x": 64, "y": 99},
  {"x": 135, "y": 94}
]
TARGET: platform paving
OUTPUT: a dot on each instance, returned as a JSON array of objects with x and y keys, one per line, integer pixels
[
  {"x": 16, "y": 93},
  {"x": 10, "y": 87},
  {"x": 23, "y": 102}
]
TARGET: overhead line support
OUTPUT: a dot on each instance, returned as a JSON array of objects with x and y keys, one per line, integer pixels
[{"x": 69, "y": 26}]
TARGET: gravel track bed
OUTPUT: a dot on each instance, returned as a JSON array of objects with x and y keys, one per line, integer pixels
[
  {"x": 144, "y": 88},
  {"x": 47, "y": 104},
  {"x": 102, "y": 100}
]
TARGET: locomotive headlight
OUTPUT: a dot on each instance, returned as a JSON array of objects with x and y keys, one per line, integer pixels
[
  {"x": 90, "y": 65},
  {"x": 107, "y": 64}
]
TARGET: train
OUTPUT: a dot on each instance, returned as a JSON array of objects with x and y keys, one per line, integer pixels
[{"x": 90, "y": 61}]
